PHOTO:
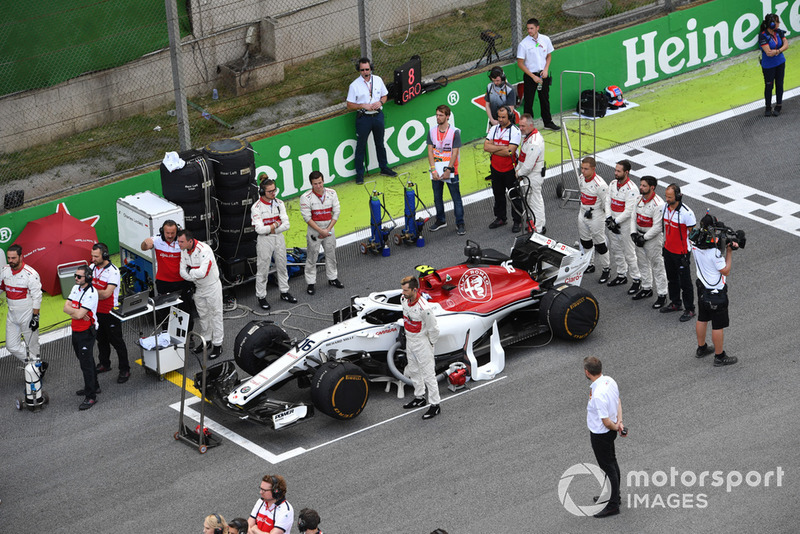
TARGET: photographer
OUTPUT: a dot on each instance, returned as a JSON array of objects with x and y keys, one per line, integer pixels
[{"x": 712, "y": 288}]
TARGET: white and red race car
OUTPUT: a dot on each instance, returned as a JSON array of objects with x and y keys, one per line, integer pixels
[{"x": 490, "y": 301}]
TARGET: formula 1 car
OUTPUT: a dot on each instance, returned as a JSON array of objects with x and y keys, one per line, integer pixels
[{"x": 490, "y": 301}]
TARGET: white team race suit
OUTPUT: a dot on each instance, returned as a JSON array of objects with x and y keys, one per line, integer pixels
[
  {"x": 422, "y": 331},
  {"x": 323, "y": 211},
  {"x": 647, "y": 222},
  {"x": 24, "y": 294},
  {"x": 270, "y": 244},
  {"x": 620, "y": 204},
  {"x": 199, "y": 266},
  {"x": 593, "y": 200},
  {"x": 529, "y": 173}
]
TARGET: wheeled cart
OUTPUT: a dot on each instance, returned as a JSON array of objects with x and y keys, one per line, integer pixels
[
  {"x": 199, "y": 437},
  {"x": 162, "y": 359}
]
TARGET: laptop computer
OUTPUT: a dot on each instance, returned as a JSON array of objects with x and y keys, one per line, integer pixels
[
  {"x": 167, "y": 298},
  {"x": 132, "y": 304}
]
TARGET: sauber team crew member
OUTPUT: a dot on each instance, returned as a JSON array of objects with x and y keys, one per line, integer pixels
[
  {"x": 647, "y": 236},
  {"x": 678, "y": 222},
  {"x": 272, "y": 513},
  {"x": 502, "y": 142},
  {"x": 320, "y": 209},
  {"x": 168, "y": 259},
  {"x": 106, "y": 280},
  {"x": 529, "y": 169},
  {"x": 422, "y": 332},
  {"x": 23, "y": 289},
  {"x": 81, "y": 306},
  {"x": 620, "y": 204},
  {"x": 591, "y": 217},
  {"x": 270, "y": 220},
  {"x": 199, "y": 266}
]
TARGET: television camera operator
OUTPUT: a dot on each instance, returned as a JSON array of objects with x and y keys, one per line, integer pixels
[{"x": 712, "y": 246}]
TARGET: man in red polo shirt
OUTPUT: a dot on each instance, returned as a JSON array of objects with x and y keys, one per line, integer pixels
[
  {"x": 502, "y": 142},
  {"x": 168, "y": 259},
  {"x": 678, "y": 223}
]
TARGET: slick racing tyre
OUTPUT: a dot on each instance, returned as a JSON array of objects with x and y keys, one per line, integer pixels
[
  {"x": 259, "y": 344},
  {"x": 571, "y": 312},
  {"x": 340, "y": 389}
]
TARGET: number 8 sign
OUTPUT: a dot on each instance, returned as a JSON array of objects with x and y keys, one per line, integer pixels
[{"x": 407, "y": 79}]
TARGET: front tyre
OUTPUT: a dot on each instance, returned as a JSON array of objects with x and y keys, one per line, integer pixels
[{"x": 340, "y": 389}]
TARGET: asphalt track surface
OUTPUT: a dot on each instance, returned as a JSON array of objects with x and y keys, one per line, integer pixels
[{"x": 494, "y": 459}]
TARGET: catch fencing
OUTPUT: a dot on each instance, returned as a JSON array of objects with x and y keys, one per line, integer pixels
[{"x": 90, "y": 88}]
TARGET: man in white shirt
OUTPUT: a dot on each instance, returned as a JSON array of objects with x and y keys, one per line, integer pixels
[
  {"x": 712, "y": 291},
  {"x": 272, "y": 513},
  {"x": 604, "y": 419},
  {"x": 367, "y": 95},
  {"x": 533, "y": 58}
]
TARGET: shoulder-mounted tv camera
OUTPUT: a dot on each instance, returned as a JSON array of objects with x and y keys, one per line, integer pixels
[{"x": 712, "y": 233}]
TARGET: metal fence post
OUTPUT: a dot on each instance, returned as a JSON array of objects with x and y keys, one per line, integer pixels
[
  {"x": 516, "y": 25},
  {"x": 173, "y": 28},
  {"x": 363, "y": 29}
]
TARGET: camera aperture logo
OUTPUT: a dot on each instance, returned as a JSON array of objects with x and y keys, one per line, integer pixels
[{"x": 566, "y": 480}]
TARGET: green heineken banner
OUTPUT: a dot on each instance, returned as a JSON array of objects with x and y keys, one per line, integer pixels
[{"x": 629, "y": 58}]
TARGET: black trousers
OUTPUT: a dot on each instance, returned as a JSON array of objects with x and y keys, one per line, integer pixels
[
  {"x": 529, "y": 94},
  {"x": 109, "y": 333},
  {"x": 83, "y": 344},
  {"x": 500, "y": 182},
  {"x": 603, "y": 447},
  {"x": 773, "y": 76},
  {"x": 679, "y": 278}
]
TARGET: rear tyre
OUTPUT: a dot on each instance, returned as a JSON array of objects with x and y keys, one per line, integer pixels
[
  {"x": 340, "y": 389},
  {"x": 571, "y": 312},
  {"x": 559, "y": 190},
  {"x": 259, "y": 344}
]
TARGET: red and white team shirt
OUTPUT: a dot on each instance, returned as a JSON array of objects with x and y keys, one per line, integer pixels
[
  {"x": 280, "y": 514},
  {"x": 320, "y": 209},
  {"x": 168, "y": 258},
  {"x": 505, "y": 137},
  {"x": 593, "y": 194},
  {"x": 648, "y": 215},
  {"x": 676, "y": 228},
  {"x": 621, "y": 200},
  {"x": 419, "y": 319},
  {"x": 102, "y": 277},
  {"x": 199, "y": 266},
  {"x": 263, "y": 214},
  {"x": 79, "y": 298},
  {"x": 23, "y": 288}
]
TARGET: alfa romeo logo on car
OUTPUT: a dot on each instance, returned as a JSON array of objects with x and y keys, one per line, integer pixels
[
  {"x": 475, "y": 286},
  {"x": 566, "y": 480}
]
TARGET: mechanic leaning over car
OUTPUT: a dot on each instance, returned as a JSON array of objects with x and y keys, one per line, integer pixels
[{"x": 421, "y": 331}]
